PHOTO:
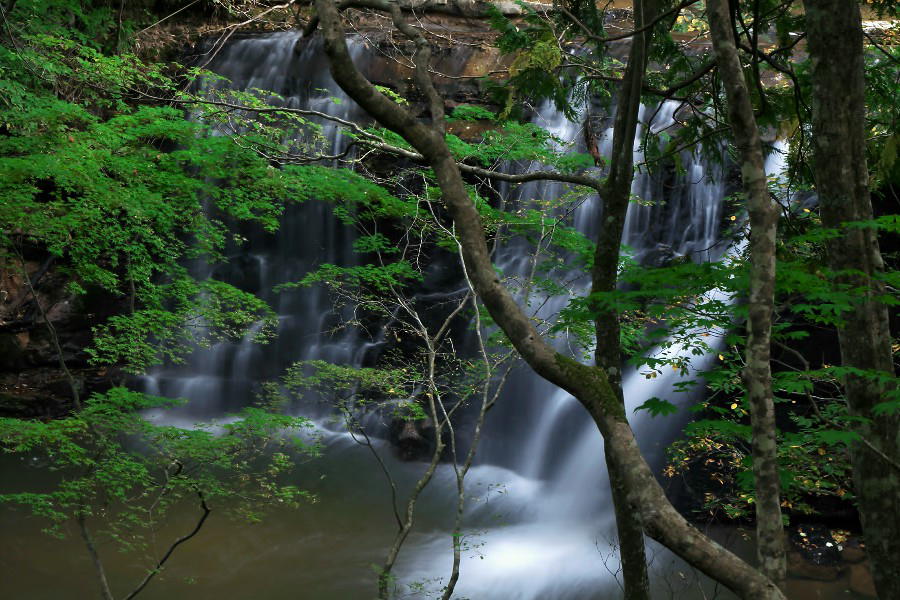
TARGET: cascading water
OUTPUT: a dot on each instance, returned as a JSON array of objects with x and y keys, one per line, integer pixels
[
  {"x": 541, "y": 524},
  {"x": 225, "y": 375},
  {"x": 557, "y": 516},
  {"x": 539, "y": 520}
]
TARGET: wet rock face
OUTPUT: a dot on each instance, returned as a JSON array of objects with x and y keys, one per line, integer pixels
[
  {"x": 45, "y": 393},
  {"x": 464, "y": 66},
  {"x": 243, "y": 271},
  {"x": 662, "y": 255},
  {"x": 852, "y": 551},
  {"x": 31, "y": 382},
  {"x": 473, "y": 8}
]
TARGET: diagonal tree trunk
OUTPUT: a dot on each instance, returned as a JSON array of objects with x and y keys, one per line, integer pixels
[
  {"x": 588, "y": 384},
  {"x": 757, "y": 373},
  {"x": 834, "y": 31}
]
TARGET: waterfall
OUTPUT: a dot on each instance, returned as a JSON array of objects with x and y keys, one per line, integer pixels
[
  {"x": 557, "y": 513},
  {"x": 542, "y": 521},
  {"x": 223, "y": 377}
]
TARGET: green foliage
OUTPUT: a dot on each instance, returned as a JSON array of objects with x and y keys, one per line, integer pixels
[
  {"x": 120, "y": 196},
  {"x": 253, "y": 118},
  {"x": 470, "y": 112},
  {"x": 667, "y": 314},
  {"x": 109, "y": 461},
  {"x": 510, "y": 140},
  {"x": 391, "y": 94},
  {"x": 351, "y": 387},
  {"x": 377, "y": 242},
  {"x": 670, "y": 312},
  {"x": 882, "y": 110},
  {"x": 812, "y": 451},
  {"x": 379, "y": 278},
  {"x": 353, "y": 196},
  {"x": 813, "y": 459},
  {"x": 537, "y": 57},
  {"x": 202, "y": 313},
  {"x": 657, "y": 407},
  {"x": 87, "y": 24}
]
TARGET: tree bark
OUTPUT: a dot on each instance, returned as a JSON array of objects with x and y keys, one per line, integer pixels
[
  {"x": 835, "y": 42},
  {"x": 757, "y": 374},
  {"x": 588, "y": 384},
  {"x": 604, "y": 277}
]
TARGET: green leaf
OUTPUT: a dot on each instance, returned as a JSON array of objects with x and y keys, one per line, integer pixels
[{"x": 656, "y": 407}]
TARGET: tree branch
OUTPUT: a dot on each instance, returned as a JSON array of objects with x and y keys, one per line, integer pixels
[
  {"x": 621, "y": 36},
  {"x": 373, "y": 141},
  {"x": 95, "y": 557},
  {"x": 205, "y": 510}
]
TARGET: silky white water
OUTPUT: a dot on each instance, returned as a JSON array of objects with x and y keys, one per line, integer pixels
[{"x": 539, "y": 520}]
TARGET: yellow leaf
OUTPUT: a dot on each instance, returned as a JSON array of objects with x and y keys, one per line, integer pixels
[{"x": 734, "y": 406}]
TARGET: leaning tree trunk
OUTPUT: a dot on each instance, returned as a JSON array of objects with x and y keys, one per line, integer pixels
[
  {"x": 757, "y": 373},
  {"x": 834, "y": 33},
  {"x": 607, "y": 355},
  {"x": 588, "y": 384}
]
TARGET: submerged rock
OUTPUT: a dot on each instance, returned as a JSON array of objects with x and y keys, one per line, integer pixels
[
  {"x": 799, "y": 566},
  {"x": 861, "y": 581},
  {"x": 412, "y": 439},
  {"x": 816, "y": 545}
]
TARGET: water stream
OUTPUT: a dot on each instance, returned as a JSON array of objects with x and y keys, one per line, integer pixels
[{"x": 540, "y": 521}]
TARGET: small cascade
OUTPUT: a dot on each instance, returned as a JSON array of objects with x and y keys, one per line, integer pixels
[{"x": 687, "y": 212}]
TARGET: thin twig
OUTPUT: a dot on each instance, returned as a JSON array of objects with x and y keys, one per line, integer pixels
[
  {"x": 95, "y": 557},
  {"x": 162, "y": 561}
]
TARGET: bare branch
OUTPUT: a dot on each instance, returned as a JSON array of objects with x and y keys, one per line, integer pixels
[
  {"x": 166, "y": 18},
  {"x": 205, "y": 510},
  {"x": 621, "y": 36}
]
